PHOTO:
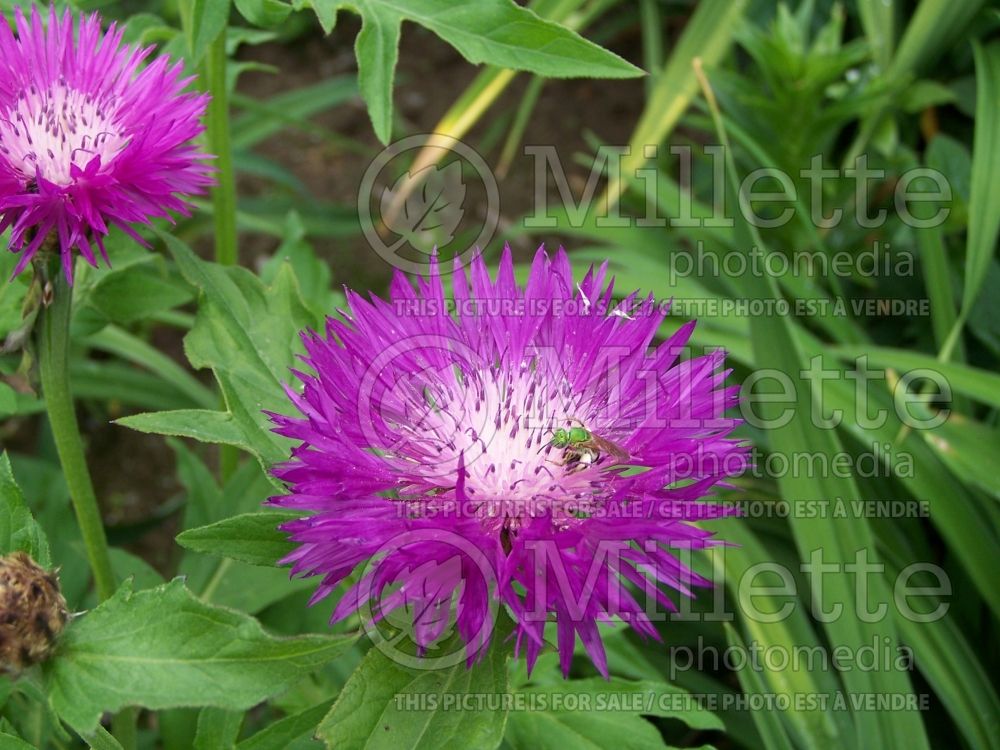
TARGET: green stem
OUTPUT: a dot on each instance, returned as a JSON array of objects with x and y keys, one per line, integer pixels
[
  {"x": 224, "y": 193},
  {"x": 219, "y": 144},
  {"x": 53, "y": 358},
  {"x": 652, "y": 42}
]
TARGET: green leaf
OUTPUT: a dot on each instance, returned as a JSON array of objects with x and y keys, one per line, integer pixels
[
  {"x": 933, "y": 30},
  {"x": 118, "y": 383},
  {"x": 969, "y": 449},
  {"x": 777, "y": 346},
  {"x": 264, "y": 119},
  {"x": 376, "y": 707},
  {"x": 768, "y": 723},
  {"x": 102, "y": 739},
  {"x": 498, "y": 32},
  {"x": 252, "y": 538},
  {"x": 984, "y": 219},
  {"x": 133, "y": 349},
  {"x": 10, "y": 742},
  {"x": 707, "y": 36},
  {"x": 609, "y": 714},
  {"x": 951, "y": 506},
  {"x": 224, "y": 581},
  {"x": 981, "y": 385},
  {"x": 126, "y": 565},
  {"x": 8, "y": 399},
  {"x": 283, "y": 733},
  {"x": 264, "y": 13},
  {"x": 164, "y": 648},
  {"x": 954, "y": 670},
  {"x": 314, "y": 275},
  {"x": 544, "y": 730},
  {"x": 138, "y": 291},
  {"x": 813, "y": 726},
  {"x": 18, "y": 530},
  {"x": 252, "y": 588},
  {"x": 218, "y": 729},
  {"x": 248, "y": 333},
  {"x": 199, "y": 424},
  {"x": 208, "y": 20},
  {"x": 877, "y": 20}
]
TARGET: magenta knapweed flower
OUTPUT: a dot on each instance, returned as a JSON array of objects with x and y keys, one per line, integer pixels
[
  {"x": 430, "y": 442},
  {"x": 88, "y": 139}
]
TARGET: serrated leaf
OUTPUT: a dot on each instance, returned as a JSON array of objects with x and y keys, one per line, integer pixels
[
  {"x": 248, "y": 333},
  {"x": 372, "y": 711},
  {"x": 18, "y": 528},
  {"x": 251, "y": 538},
  {"x": 498, "y": 32},
  {"x": 199, "y": 424},
  {"x": 126, "y": 565},
  {"x": 163, "y": 648},
  {"x": 224, "y": 581},
  {"x": 314, "y": 275}
]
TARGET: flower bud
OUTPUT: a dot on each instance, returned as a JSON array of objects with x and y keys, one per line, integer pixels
[{"x": 32, "y": 612}]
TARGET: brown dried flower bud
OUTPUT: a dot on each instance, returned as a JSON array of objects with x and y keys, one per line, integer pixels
[{"x": 32, "y": 612}]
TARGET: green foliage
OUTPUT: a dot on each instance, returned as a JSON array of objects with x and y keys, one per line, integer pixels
[
  {"x": 163, "y": 648},
  {"x": 19, "y": 532},
  {"x": 243, "y": 333},
  {"x": 497, "y": 32},
  {"x": 984, "y": 223},
  {"x": 200, "y": 654},
  {"x": 618, "y": 724},
  {"x": 252, "y": 538},
  {"x": 386, "y": 705}
]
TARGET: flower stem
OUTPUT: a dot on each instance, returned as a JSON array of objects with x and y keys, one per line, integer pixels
[
  {"x": 53, "y": 359},
  {"x": 219, "y": 144},
  {"x": 224, "y": 192}
]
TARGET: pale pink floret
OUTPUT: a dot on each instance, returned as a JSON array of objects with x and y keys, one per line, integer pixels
[{"x": 89, "y": 138}]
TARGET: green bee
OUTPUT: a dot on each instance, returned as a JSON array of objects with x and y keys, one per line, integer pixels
[{"x": 581, "y": 447}]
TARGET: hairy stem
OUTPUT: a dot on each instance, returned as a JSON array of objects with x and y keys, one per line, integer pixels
[{"x": 53, "y": 358}]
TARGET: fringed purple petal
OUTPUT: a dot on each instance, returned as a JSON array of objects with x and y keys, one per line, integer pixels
[{"x": 426, "y": 457}]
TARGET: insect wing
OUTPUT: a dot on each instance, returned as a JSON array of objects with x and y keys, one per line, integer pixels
[{"x": 606, "y": 446}]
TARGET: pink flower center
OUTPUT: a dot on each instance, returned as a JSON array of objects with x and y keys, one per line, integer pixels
[
  {"x": 49, "y": 131},
  {"x": 501, "y": 429}
]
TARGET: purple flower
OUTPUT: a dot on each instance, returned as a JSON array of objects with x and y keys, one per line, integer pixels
[
  {"x": 88, "y": 137},
  {"x": 430, "y": 459}
]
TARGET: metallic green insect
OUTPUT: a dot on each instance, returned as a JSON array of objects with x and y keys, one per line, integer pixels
[{"x": 581, "y": 447}]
